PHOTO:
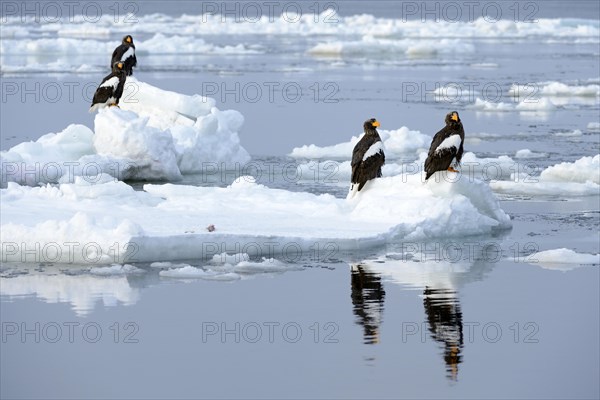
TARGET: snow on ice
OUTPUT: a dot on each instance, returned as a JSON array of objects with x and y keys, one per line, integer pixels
[
  {"x": 579, "y": 178},
  {"x": 562, "y": 259},
  {"x": 155, "y": 135},
  {"x": 338, "y": 172},
  {"x": 397, "y": 143},
  {"x": 111, "y": 223}
]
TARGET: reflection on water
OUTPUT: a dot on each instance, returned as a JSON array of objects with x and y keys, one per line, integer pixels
[
  {"x": 73, "y": 285},
  {"x": 438, "y": 278},
  {"x": 367, "y": 300},
  {"x": 442, "y": 309}
]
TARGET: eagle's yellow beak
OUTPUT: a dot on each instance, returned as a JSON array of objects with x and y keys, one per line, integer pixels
[
  {"x": 128, "y": 39},
  {"x": 454, "y": 117},
  {"x": 120, "y": 65},
  {"x": 376, "y": 124}
]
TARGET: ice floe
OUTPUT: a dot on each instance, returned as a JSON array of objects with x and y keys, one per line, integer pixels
[
  {"x": 155, "y": 135},
  {"x": 472, "y": 167},
  {"x": 526, "y": 153},
  {"x": 562, "y": 259},
  {"x": 541, "y": 104},
  {"x": 116, "y": 269},
  {"x": 167, "y": 222},
  {"x": 370, "y": 46},
  {"x": 578, "y": 178},
  {"x": 397, "y": 143},
  {"x": 76, "y": 38},
  {"x": 225, "y": 267}
]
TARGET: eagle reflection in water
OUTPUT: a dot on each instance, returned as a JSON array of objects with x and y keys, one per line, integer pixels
[
  {"x": 367, "y": 299},
  {"x": 445, "y": 324},
  {"x": 442, "y": 309}
]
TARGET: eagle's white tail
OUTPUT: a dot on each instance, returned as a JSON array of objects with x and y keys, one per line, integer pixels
[
  {"x": 96, "y": 107},
  {"x": 353, "y": 190}
]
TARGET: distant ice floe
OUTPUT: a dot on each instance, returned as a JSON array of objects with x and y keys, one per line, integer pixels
[
  {"x": 167, "y": 222},
  {"x": 189, "y": 272},
  {"x": 579, "y": 178},
  {"x": 155, "y": 135},
  {"x": 397, "y": 143},
  {"x": 472, "y": 167},
  {"x": 542, "y": 97},
  {"x": 327, "y": 22},
  {"x": 226, "y": 267},
  {"x": 331, "y": 164},
  {"x": 62, "y": 50},
  {"x": 116, "y": 269},
  {"x": 528, "y": 154},
  {"x": 573, "y": 133},
  {"x": 593, "y": 126},
  {"x": 362, "y": 35},
  {"x": 562, "y": 259},
  {"x": 370, "y": 46},
  {"x": 553, "y": 88},
  {"x": 542, "y": 104},
  {"x": 583, "y": 170}
]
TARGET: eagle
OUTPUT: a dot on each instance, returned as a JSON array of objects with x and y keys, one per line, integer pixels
[
  {"x": 367, "y": 157},
  {"x": 446, "y": 147}
]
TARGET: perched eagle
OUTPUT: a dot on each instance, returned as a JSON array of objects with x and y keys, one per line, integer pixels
[
  {"x": 111, "y": 88},
  {"x": 367, "y": 157},
  {"x": 446, "y": 147},
  {"x": 125, "y": 53}
]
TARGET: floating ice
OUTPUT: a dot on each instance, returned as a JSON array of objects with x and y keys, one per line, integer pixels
[
  {"x": 579, "y": 178},
  {"x": 231, "y": 259},
  {"x": 338, "y": 172},
  {"x": 189, "y": 272},
  {"x": 526, "y": 153},
  {"x": 158, "y": 224},
  {"x": 573, "y": 133},
  {"x": 226, "y": 266},
  {"x": 397, "y": 143},
  {"x": 155, "y": 135},
  {"x": 554, "y": 88},
  {"x": 76, "y": 38},
  {"x": 265, "y": 265},
  {"x": 541, "y": 104},
  {"x": 562, "y": 259},
  {"x": 331, "y": 172},
  {"x": 583, "y": 170},
  {"x": 124, "y": 135},
  {"x": 326, "y": 23},
  {"x": 484, "y": 65},
  {"x": 370, "y": 46},
  {"x": 564, "y": 256},
  {"x": 116, "y": 269},
  {"x": 593, "y": 126},
  {"x": 533, "y": 187},
  {"x": 62, "y": 50}
]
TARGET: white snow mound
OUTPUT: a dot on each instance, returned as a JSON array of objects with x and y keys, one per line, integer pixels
[
  {"x": 579, "y": 178},
  {"x": 155, "y": 135},
  {"x": 108, "y": 223},
  {"x": 397, "y": 143}
]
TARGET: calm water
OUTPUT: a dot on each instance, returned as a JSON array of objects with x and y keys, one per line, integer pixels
[{"x": 463, "y": 318}]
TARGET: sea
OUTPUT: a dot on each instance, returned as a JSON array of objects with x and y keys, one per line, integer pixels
[{"x": 488, "y": 323}]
